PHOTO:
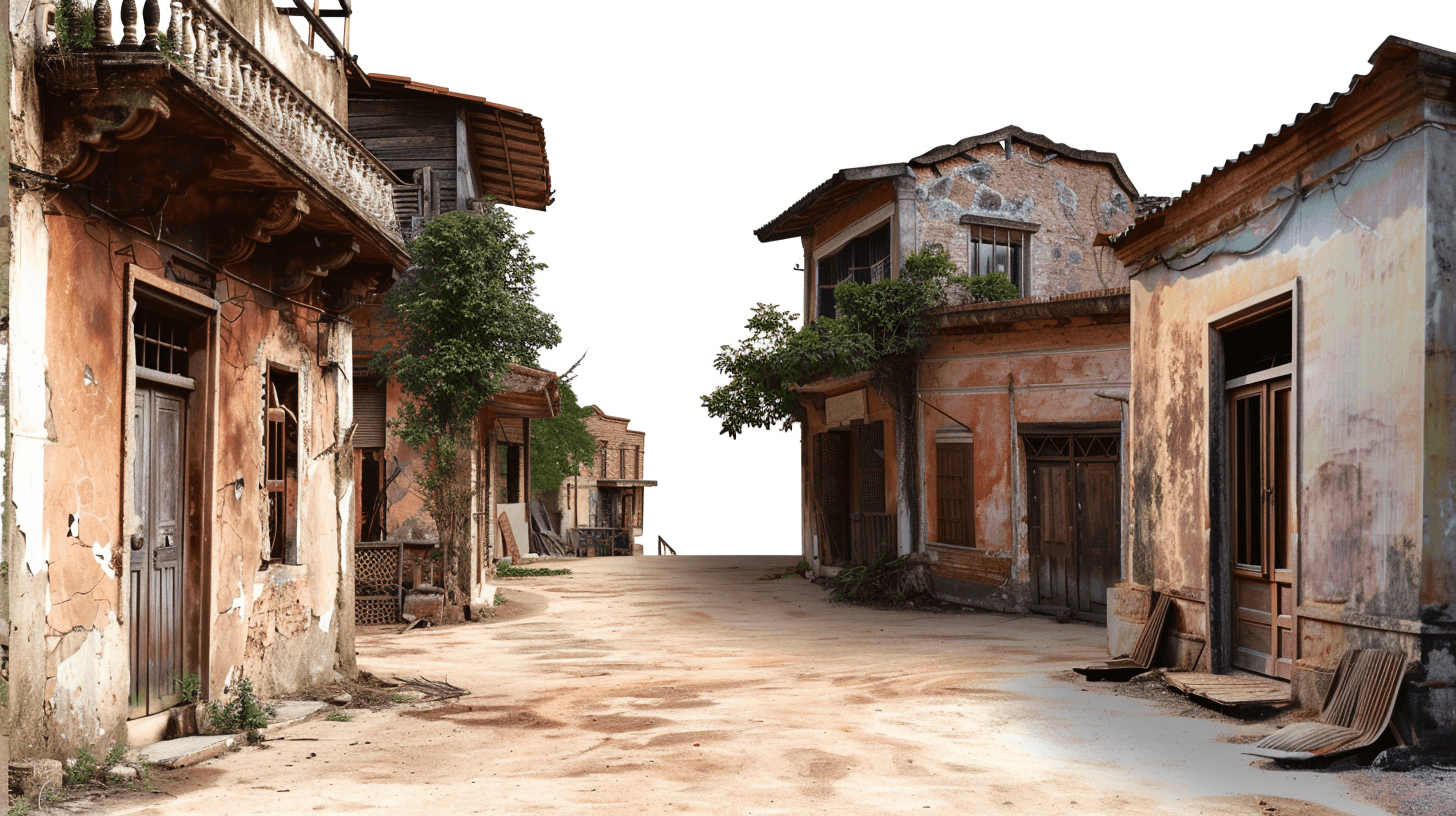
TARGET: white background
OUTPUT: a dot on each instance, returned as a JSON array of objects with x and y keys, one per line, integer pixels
[{"x": 676, "y": 129}]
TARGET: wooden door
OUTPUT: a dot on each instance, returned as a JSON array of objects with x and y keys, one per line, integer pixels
[
  {"x": 1051, "y": 532},
  {"x": 1261, "y": 504},
  {"x": 832, "y": 496},
  {"x": 1073, "y": 522},
  {"x": 160, "y": 422},
  {"x": 1098, "y": 535}
]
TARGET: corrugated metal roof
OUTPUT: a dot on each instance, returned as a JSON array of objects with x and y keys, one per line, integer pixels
[{"x": 507, "y": 144}]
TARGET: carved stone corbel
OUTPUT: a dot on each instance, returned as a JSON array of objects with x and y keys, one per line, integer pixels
[
  {"x": 96, "y": 122},
  {"x": 244, "y": 222},
  {"x": 308, "y": 258},
  {"x": 143, "y": 175}
]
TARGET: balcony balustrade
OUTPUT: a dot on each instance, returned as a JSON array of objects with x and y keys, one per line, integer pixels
[{"x": 202, "y": 46}]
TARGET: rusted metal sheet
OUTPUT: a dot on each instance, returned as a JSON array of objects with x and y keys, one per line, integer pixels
[
  {"x": 1231, "y": 690},
  {"x": 1355, "y": 713},
  {"x": 1143, "y": 652},
  {"x": 508, "y": 538}
]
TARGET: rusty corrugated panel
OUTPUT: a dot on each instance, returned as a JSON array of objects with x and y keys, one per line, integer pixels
[
  {"x": 1356, "y": 711},
  {"x": 1143, "y": 652}
]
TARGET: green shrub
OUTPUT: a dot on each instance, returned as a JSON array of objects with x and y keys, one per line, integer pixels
[
  {"x": 513, "y": 571},
  {"x": 988, "y": 288},
  {"x": 242, "y": 712}
]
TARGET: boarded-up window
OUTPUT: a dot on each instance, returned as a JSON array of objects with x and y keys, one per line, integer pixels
[
  {"x": 368, "y": 413},
  {"x": 955, "y": 512},
  {"x": 872, "y": 468}
]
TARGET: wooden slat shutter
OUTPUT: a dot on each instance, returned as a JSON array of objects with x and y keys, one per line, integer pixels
[
  {"x": 368, "y": 413},
  {"x": 872, "y": 468}
]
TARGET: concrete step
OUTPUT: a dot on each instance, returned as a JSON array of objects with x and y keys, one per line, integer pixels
[{"x": 185, "y": 751}]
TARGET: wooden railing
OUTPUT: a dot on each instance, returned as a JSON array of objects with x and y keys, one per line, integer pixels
[
  {"x": 663, "y": 545},
  {"x": 206, "y": 48}
]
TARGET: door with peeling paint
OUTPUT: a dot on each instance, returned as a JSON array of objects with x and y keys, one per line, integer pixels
[{"x": 159, "y": 422}]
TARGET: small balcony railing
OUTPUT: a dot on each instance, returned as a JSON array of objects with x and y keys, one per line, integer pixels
[{"x": 202, "y": 45}]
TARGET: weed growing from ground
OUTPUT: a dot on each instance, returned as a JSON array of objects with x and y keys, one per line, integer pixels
[
  {"x": 338, "y": 716},
  {"x": 513, "y": 571},
  {"x": 399, "y": 697},
  {"x": 242, "y": 712},
  {"x": 82, "y": 769}
]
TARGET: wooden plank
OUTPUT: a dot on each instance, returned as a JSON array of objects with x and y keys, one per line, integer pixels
[{"x": 509, "y": 537}]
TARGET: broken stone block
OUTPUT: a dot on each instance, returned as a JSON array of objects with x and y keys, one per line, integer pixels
[
  {"x": 424, "y": 604},
  {"x": 1400, "y": 758},
  {"x": 122, "y": 773},
  {"x": 31, "y": 776},
  {"x": 342, "y": 699}
]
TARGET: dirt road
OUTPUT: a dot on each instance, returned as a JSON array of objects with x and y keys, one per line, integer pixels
[{"x": 660, "y": 685}]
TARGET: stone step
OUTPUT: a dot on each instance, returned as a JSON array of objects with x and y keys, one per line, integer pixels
[{"x": 185, "y": 751}]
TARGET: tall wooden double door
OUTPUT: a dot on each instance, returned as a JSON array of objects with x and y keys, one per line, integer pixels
[
  {"x": 160, "y": 423},
  {"x": 1261, "y": 491},
  {"x": 1073, "y": 522}
]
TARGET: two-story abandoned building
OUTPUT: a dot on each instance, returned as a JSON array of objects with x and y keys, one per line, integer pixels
[
  {"x": 1004, "y": 469},
  {"x": 193, "y": 224},
  {"x": 456, "y": 152},
  {"x": 604, "y": 502}
]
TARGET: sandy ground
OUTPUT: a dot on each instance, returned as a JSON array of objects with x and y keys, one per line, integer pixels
[{"x": 686, "y": 684}]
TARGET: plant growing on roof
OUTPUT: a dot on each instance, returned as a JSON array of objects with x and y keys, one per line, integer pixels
[{"x": 461, "y": 314}]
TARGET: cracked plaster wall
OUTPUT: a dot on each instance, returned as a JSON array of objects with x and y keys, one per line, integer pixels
[{"x": 1374, "y": 452}]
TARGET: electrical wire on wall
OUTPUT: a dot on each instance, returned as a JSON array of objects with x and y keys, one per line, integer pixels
[{"x": 1342, "y": 176}]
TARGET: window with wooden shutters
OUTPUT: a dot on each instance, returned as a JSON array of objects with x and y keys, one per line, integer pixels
[
  {"x": 281, "y": 464},
  {"x": 368, "y": 413},
  {"x": 955, "y": 512},
  {"x": 872, "y": 468}
]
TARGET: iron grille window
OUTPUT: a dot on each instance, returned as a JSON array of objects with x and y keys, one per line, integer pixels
[
  {"x": 992, "y": 249},
  {"x": 865, "y": 259},
  {"x": 281, "y": 465},
  {"x": 161, "y": 342}
]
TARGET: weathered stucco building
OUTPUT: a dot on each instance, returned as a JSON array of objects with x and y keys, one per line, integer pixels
[
  {"x": 192, "y": 229},
  {"x": 1294, "y": 370},
  {"x": 1001, "y": 468},
  {"x": 457, "y": 152},
  {"x": 604, "y": 502}
]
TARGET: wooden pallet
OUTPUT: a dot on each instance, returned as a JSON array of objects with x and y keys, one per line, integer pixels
[{"x": 1231, "y": 690}]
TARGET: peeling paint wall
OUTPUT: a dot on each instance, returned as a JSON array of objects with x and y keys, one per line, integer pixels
[
  {"x": 1371, "y": 264},
  {"x": 1051, "y": 372}
]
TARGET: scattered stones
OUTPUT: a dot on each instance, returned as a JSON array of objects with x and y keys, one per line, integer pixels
[
  {"x": 122, "y": 773},
  {"x": 342, "y": 699}
]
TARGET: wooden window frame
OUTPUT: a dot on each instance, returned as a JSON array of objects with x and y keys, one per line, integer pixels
[
  {"x": 278, "y": 432},
  {"x": 875, "y": 270},
  {"x": 1018, "y": 250},
  {"x": 942, "y": 449}
]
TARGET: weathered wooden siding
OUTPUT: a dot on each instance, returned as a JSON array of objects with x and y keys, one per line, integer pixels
[{"x": 409, "y": 134}]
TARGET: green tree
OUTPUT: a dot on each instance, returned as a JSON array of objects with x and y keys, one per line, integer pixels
[
  {"x": 560, "y": 445},
  {"x": 460, "y": 315},
  {"x": 880, "y": 328}
]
